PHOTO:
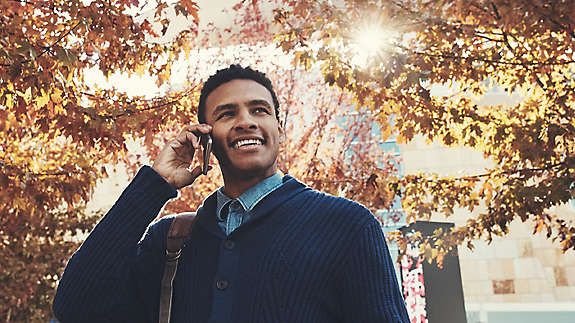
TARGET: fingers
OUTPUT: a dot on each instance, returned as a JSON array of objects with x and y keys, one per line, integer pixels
[
  {"x": 196, "y": 172},
  {"x": 190, "y": 134},
  {"x": 198, "y": 129},
  {"x": 174, "y": 160},
  {"x": 189, "y": 138}
]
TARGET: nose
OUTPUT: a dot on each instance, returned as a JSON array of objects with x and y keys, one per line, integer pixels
[{"x": 244, "y": 121}]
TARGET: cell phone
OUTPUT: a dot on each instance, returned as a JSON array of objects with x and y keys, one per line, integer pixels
[{"x": 206, "y": 142}]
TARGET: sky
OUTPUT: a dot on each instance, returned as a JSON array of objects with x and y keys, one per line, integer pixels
[{"x": 217, "y": 12}]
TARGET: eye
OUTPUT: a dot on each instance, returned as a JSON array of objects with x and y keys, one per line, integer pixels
[
  {"x": 228, "y": 113},
  {"x": 261, "y": 110}
]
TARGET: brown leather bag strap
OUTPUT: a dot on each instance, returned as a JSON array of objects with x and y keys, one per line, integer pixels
[{"x": 180, "y": 229}]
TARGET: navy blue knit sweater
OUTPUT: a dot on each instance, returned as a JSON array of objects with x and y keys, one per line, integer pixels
[{"x": 303, "y": 257}]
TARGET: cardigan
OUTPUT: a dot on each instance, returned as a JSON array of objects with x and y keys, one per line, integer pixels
[{"x": 304, "y": 256}]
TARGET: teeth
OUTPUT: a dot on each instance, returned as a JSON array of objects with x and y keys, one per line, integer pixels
[{"x": 247, "y": 142}]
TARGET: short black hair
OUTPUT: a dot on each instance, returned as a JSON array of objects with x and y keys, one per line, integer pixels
[{"x": 227, "y": 74}]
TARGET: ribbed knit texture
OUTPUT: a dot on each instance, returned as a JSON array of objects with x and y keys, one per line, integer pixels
[{"x": 303, "y": 257}]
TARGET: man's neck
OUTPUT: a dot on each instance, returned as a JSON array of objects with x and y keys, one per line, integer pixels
[{"x": 235, "y": 186}]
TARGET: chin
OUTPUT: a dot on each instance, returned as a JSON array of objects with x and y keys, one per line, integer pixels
[
  {"x": 247, "y": 166},
  {"x": 251, "y": 168}
]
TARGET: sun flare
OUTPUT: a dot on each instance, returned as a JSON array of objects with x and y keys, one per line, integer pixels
[{"x": 370, "y": 42}]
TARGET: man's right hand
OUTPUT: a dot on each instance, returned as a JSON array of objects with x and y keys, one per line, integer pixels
[{"x": 174, "y": 160}]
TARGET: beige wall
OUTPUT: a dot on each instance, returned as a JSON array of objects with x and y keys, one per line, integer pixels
[{"x": 518, "y": 268}]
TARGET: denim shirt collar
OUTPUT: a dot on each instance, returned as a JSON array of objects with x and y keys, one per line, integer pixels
[{"x": 250, "y": 198}]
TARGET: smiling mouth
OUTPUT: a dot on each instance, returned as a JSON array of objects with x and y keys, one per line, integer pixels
[{"x": 247, "y": 143}]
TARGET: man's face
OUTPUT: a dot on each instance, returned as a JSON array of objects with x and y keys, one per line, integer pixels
[{"x": 245, "y": 129}]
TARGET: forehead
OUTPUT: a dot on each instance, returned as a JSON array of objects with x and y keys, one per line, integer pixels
[{"x": 237, "y": 91}]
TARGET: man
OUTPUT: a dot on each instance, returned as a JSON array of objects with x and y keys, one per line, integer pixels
[{"x": 263, "y": 248}]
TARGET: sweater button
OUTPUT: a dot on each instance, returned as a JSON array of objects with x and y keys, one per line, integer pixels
[
  {"x": 222, "y": 284},
  {"x": 229, "y": 244}
]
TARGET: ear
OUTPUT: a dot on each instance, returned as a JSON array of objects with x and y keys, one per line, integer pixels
[{"x": 282, "y": 134}]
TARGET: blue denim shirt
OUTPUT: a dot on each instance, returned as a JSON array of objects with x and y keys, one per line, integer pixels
[{"x": 240, "y": 208}]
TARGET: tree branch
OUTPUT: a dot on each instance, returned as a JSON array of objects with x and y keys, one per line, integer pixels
[
  {"x": 23, "y": 1},
  {"x": 488, "y": 38},
  {"x": 512, "y": 50},
  {"x": 508, "y": 172},
  {"x": 57, "y": 41},
  {"x": 538, "y": 9},
  {"x": 131, "y": 112},
  {"x": 55, "y": 173},
  {"x": 486, "y": 60},
  {"x": 19, "y": 173},
  {"x": 495, "y": 11}
]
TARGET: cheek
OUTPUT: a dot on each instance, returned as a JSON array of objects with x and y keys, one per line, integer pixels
[
  {"x": 219, "y": 147},
  {"x": 219, "y": 142}
]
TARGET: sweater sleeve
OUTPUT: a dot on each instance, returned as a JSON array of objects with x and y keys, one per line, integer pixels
[
  {"x": 370, "y": 289},
  {"x": 100, "y": 282}
]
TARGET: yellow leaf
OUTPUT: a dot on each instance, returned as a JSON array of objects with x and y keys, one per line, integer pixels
[
  {"x": 42, "y": 100},
  {"x": 57, "y": 95},
  {"x": 28, "y": 95},
  {"x": 9, "y": 101},
  {"x": 140, "y": 70}
]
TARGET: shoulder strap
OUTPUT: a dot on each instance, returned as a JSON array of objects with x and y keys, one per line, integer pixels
[{"x": 179, "y": 230}]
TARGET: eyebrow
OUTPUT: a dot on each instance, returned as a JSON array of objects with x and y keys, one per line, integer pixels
[
  {"x": 259, "y": 102},
  {"x": 231, "y": 106},
  {"x": 223, "y": 107}
]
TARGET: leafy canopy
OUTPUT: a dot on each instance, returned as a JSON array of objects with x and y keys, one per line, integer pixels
[
  {"x": 58, "y": 131},
  {"x": 522, "y": 47}
]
